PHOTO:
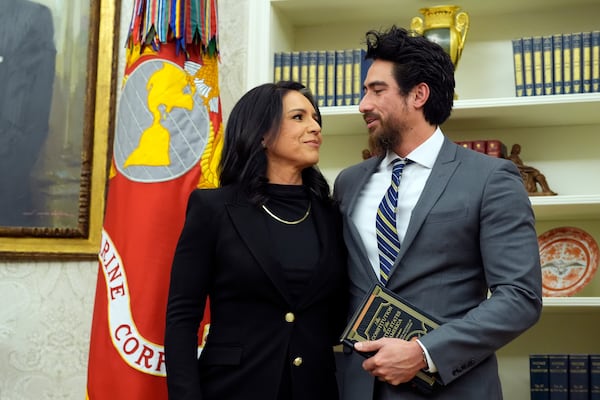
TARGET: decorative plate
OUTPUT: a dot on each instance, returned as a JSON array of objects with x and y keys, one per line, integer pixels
[{"x": 569, "y": 258}]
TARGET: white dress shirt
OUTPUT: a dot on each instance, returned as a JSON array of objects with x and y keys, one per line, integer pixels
[{"x": 414, "y": 177}]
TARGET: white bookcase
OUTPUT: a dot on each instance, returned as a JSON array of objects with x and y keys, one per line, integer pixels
[{"x": 559, "y": 135}]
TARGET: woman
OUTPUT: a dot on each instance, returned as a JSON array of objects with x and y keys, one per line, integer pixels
[{"x": 266, "y": 248}]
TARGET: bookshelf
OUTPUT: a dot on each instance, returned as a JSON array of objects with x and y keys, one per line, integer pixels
[{"x": 559, "y": 134}]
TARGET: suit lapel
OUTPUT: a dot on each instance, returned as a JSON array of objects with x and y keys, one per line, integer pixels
[
  {"x": 441, "y": 172},
  {"x": 251, "y": 226}
]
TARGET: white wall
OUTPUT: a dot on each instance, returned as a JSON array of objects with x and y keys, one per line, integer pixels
[{"x": 46, "y": 307}]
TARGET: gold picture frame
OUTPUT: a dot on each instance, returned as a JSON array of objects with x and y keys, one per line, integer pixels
[{"x": 65, "y": 215}]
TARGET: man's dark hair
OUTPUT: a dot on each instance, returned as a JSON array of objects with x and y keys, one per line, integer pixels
[{"x": 416, "y": 59}]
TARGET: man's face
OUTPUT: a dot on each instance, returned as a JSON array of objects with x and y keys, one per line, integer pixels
[{"x": 384, "y": 109}]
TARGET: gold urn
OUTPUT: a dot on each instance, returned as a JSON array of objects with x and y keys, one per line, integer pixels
[{"x": 445, "y": 25}]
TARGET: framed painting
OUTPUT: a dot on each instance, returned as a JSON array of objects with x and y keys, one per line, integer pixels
[{"x": 57, "y": 101}]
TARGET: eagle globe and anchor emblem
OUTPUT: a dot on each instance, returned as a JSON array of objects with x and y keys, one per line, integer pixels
[{"x": 163, "y": 124}]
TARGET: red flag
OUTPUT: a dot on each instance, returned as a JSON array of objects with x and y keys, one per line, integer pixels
[{"x": 168, "y": 142}]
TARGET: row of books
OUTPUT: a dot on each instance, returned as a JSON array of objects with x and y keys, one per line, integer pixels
[
  {"x": 491, "y": 147},
  {"x": 557, "y": 64},
  {"x": 335, "y": 77},
  {"x": 564, "y": 376}
]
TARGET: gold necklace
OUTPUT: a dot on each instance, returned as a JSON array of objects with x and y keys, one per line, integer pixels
[{"x": 283, "y": 221}]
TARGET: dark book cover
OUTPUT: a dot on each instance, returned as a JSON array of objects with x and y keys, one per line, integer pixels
[
  {"x": 479, "y": 145},
  {"x": 579, "y": 386},
  {"x": 495, "y": 148},
  {"x": 539, "y": 377},
  {"x": 558, "y": 369},
  {"x": 594, "y": 376},
  {"x": 382, "y": 313}
]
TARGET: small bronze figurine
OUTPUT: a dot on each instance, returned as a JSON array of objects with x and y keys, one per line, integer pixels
[{"x": 534, "y": 181}]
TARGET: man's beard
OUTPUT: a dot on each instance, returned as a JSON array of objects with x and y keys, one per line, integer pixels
[{"x": 389, "y": 138}]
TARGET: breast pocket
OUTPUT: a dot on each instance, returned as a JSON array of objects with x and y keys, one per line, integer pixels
[{"x": 444, "y": 216}]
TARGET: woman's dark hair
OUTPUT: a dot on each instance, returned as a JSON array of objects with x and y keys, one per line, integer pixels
[
  {"x": 257, "y": 116},
  {"x": 417, "y": 59}
]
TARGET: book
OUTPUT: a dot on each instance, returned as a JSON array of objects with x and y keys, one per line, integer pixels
[
  {"x": 558, "y": 376},
  {"x": 348, "y": 76},
  {"x": 517, "y": 45},
  {"x": 495, "y": 148},
  {"x": 528, "y": 65},
  {"x": 579, "y": 386},
  {"x": 479, "y": 146},
  {"x": 539, "y": 377},
  {"x": 382, "y": 313},
  {"x": 330, "y": 85},
  {"x": 286, "y": 65},
  {"x": 566, "y": 51},
  {"x": 321, "y": 77},
  {"x": 312, "y": 72},
  {"x": 586, "y": 62},
  {"x": 277, "y": 66},
  {"x": 594, "y": 376},
  {"x": 576, "y": 62},
  {"x": 358, "y": 56},
  {"x": 595, "y": 61},
  {"x": 295, "y": 66},
  {"x": 304, "y": 68},
  {"x": 467, "y": 144},
  {"x": 538, "y": 66},
  {"x": 558, "y": 63},
  {"x": 339, "y": 77},
  {"x": 547, "y": 55}
]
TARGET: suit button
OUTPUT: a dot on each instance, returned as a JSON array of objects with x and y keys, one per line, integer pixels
[
  {"x": 297, "y": 361},
  {"x": 290, "y": 317}
]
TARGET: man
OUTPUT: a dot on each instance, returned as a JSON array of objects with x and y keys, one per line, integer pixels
[
  {"x": 27, "y": 58},
  {"x": 468, "y": 252}
]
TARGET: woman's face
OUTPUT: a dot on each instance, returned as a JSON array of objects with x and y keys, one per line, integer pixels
[{"x": 297, "y": 145}]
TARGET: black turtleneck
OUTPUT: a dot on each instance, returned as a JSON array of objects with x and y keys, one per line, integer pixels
[{"x": 295, "y": 247}]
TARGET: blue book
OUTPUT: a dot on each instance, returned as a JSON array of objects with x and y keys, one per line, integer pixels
[
  {"x": 286, "y": 65},
  {"x": 567, "y": 64},
  {"x": 304, "y": 68},
  {"x": 348, "y": 76},
  {"x": 586, "y": 62},
  {"x": 579, "y": 375},
  {"x": 548, "y": 55},
  {"x": 528, "y": 65},
  {"x": 538, "y": 66},
  {"x": 277, "y": 66},
  {"x": 339, "y": 77},
  {"x": 595, "y": 61},
  {"x": 312, "y": 72},
  {"x": 296, "y": 66},
  {"x": 330, "y": 85},
  {"x": 594, "y": 376},
  {"x": 557, "y": 58},
  {"x": 358, "y": 56},
  {"x": 576, "y": 62},
  {"x": 321, "y": 77},
  {"x": 539, "y": 377},
  {"x": 558, "y": 370},
  {"x": 517, "y": 45}
]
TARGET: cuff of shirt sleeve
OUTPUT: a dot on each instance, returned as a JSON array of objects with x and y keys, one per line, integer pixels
[{"x": 430, "y": 364}]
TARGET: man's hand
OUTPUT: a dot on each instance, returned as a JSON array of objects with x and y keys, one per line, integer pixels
[{"x": 395, "y": 361}]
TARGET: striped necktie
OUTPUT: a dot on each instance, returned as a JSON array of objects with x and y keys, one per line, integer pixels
[{"x": 388, "y": 242}]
